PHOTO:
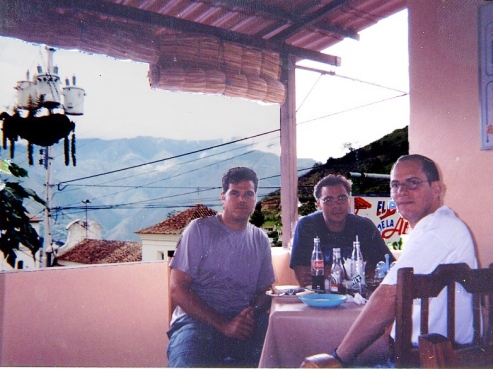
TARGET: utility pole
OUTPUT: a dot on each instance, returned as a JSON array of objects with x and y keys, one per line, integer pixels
[
  {"x": 47, "y": 244},
  {"x": 44, "y": 91},
  {"x": 86, "y": 201}
]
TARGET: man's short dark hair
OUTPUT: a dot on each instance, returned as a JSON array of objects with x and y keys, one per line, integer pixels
[
  {"x": 331, "y": 180},
  {"x": 428, "y": 166},
  {"x": 238, "y": 174}
]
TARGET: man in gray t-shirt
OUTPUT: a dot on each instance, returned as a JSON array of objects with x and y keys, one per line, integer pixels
[{"x": 219, "y": 275}]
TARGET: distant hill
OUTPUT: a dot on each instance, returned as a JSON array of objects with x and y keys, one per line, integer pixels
[
  {"x": 124, "y": 201},
  {"x": 128, "y": 200},
  {"x": 377, "y": 157}
]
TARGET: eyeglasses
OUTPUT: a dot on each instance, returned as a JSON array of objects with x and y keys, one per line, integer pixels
[
  {"x": 331, "y": 200},
  {"x": 408, "y": 184}
]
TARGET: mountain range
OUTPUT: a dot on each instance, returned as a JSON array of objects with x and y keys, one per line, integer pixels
[
  {"x": 129, "y": 184},
  {"x": 375, "y": 158}
]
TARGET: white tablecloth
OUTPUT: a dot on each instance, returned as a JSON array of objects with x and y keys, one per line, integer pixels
[{"x": 296, "y": 331}]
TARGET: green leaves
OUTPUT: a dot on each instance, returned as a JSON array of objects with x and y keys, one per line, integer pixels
[
  {"x": 15, "y": 228},
  {"x": 17, "y": 171},
  {"x": 16, "y": 192}
]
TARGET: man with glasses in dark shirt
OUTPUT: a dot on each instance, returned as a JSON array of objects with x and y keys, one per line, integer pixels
[{"x": 336, "y": 228}]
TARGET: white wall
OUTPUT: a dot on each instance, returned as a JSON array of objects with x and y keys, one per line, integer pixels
[{"x": 154, "y": 245}]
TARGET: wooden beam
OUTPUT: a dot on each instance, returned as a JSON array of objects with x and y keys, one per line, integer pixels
[
  {"x": 305, "y": 21},
  {"x": 313, "y": 55},
  {"x": 252, "y": 7},
  {"x": 344, "y": 32},
  {"x": 182, "y": 25},
  {"x": 255, "y": 7},
  {"x": 156, "y": 19}
]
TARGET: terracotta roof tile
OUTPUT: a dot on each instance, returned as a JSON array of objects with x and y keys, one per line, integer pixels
[
  {"x": 91, "y": 251},
  {"x": 177, "y": 223}
]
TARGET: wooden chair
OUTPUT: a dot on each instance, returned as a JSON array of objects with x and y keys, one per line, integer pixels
[{"x": 436, "y": 350}]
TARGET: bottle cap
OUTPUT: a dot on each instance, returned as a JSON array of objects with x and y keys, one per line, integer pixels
[{"x": 356, "y": 243}]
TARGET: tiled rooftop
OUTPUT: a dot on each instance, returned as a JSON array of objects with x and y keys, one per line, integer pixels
[
  {"x": 177, "y": 223},
  {"x": 91, "y": 251}
]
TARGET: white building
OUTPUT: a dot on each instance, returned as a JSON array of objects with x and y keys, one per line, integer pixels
[
  {"x": 78, "y": 230},
  {"x": 24, "y": 258},
  {"x": 161, "y": 238}
]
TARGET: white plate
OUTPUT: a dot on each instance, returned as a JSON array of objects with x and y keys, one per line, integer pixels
[
  {"x": 285, "y": 288},
  {"x": 279, "y": 295}
]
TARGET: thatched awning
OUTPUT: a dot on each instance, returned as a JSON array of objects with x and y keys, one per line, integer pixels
[{"x": 207, "y": 64}]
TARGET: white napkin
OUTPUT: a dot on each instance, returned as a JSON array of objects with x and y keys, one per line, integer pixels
[{"x": 357, "y": 299}]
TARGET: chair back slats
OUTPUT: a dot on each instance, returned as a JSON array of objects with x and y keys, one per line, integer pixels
[
  {"x": 477, "y": 304},
  {"x": 404, "y": 310},
  {"x": 451, "y": 310},
  {"x": 425, "y": 308},
  {"x": 488, "y": 334},
  {"x": 410, "y": 286}
]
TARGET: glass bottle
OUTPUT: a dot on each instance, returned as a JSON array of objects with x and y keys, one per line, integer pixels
[
  {"x": 357, "y": 268},
  {"x": 317, "y": 265},
  {"x": 337, "y": 272}
]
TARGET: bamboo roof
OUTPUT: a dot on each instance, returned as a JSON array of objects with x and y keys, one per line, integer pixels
[{"x": 230, "y": 47}]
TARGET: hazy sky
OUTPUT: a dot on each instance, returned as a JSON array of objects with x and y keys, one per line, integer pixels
[{"x": 119, "y": 102}]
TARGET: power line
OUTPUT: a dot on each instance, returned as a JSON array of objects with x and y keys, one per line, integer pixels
[
  {"x": 309, "y": 92},
  {"x": 334, "y": 74},
  {"x": 175, "y": 165},
  {"x": 60, "y": 184},
  {"x": 151, "y": 203},
  {"x": 351, "y": 109},
  {"x": 143, "y": 204},
  {"x": 127, "y": 188},
  {"x": 193, "y": 160}
]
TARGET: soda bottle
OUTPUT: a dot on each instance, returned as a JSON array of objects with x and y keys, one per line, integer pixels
[
  {"x": 357, "y": 268},
  {"x": 318, "y": 270},
  {"x": 337, "y": 272}
]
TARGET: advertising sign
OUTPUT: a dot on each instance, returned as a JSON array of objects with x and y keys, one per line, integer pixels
[{"x": 383, "y": 212}]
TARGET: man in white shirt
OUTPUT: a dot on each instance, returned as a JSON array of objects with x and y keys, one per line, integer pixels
[{"x": 438, "y": 236}]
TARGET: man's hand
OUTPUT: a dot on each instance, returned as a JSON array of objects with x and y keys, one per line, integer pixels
[
  {"x": 241, "y": 326},
  {"x": 303, "y": 275}
]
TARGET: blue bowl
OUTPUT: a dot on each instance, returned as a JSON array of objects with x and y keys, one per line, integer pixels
[{"x": 323, "y": 300}]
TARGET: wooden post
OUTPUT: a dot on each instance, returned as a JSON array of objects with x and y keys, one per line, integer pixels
[{"x": 289, "y": 175}]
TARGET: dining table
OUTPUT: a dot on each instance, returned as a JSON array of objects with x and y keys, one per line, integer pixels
[{"x": 296, "y": 331}]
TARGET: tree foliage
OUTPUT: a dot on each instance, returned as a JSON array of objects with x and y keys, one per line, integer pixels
[
  {"x": 377, "y": 157},
  {"x": 257, "y": 218},
  {"x": 15, "y": 228}
]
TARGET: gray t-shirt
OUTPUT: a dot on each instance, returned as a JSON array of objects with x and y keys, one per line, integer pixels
[{"x": 227, "y": 266}]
